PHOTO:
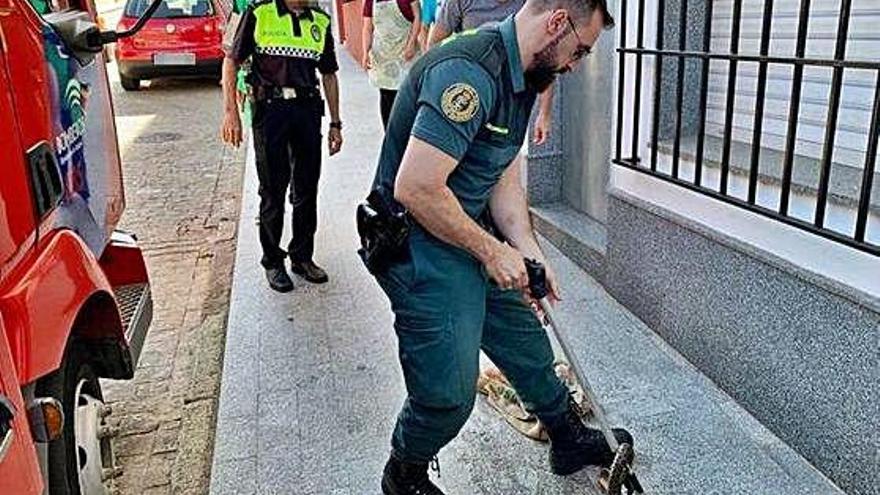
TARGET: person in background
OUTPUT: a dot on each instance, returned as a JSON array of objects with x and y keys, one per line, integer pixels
[
  {"x": 288, "y": 42},
  {"x": 390, "y": 38},
  {"x": 429, "y": 15},
  {"x": 244, "y": 104},
  {"x": 455, "y": 16}
]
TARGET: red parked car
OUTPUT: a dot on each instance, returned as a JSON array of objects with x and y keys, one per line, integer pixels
[{"x": 183, "y": 38}]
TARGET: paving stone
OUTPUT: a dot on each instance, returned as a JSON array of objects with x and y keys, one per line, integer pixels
[
  {"x": 243, "y": 441},
  {"x": 166, "y": 439},
  {"x": 132, "y": 480},
  {"x": 137, "y": 424},
  {"x": 204, "y": 376},
  {"x": 154, "y": 373},
  {"x": 238, "y": 477},
  {"x": 192, "y": 466},
  {"x": 159, "y": 490},
  {"x": 133, "y": 445},
  {"x": 158, "y": 473}
]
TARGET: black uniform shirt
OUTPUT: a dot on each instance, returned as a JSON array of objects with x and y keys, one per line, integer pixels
[{"x": 276, "y": 70}]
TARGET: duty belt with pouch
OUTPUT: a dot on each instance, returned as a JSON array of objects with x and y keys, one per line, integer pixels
[
  {"x": 262, "y": 93},
  {"x": 384, "y": 227}
]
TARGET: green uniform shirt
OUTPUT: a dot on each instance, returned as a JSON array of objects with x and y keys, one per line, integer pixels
[{"x": 468, "y": 98}]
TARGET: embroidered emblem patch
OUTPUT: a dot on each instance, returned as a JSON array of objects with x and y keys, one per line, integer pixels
[
  {"x": 316, "y": 33},
  {"x": 460, "y": 102}
]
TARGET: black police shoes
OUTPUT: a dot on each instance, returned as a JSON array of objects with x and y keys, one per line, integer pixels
[
  {"x": 573, "y": 445},
  {"x": 309, "y": 271},
  {"x": 278, "y": 279},
  {"x": 406, "y": 478}
]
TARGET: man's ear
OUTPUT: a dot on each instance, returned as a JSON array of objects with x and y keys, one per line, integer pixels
[{"x": 557, "y": 22}]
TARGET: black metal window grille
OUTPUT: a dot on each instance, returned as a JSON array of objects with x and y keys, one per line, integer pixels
[{"x": 733, "y": 59}]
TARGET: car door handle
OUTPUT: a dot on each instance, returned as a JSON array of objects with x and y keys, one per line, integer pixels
[{"x": 7, "y": 433}]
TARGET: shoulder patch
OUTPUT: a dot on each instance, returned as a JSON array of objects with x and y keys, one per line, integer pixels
[{"x": 460, "y": 102}]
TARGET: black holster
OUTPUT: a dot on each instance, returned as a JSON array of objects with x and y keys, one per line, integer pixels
[{"x": 384, "y": 227}]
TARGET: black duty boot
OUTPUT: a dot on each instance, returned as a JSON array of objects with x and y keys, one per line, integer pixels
[
  {"x": 278, "y": 279},
  {"x": 309, "y": 271},
  {"x": 573, "y": 445},
  {"x": 406, "y": 478}
]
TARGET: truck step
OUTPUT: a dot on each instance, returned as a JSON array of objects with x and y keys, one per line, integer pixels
[{"x": 136, "y": 309}]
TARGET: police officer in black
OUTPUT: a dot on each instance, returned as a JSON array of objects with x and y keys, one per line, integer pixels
[{"x": 287, "y": 40}]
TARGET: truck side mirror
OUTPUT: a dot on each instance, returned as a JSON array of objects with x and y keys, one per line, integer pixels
[
  {"x": 78, "y": 31},
  {"x": 83, "y": 36}
]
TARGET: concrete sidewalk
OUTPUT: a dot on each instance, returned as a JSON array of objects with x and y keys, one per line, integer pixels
[{"x": 311, "y": 382}]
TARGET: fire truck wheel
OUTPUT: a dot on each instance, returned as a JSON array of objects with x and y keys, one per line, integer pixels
[
  {"x": 130, "y": 84},
  {"x": 76, "y": 386}
]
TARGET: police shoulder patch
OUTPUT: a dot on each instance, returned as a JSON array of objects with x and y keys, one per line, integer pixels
[{"x": 460, "y": 102}]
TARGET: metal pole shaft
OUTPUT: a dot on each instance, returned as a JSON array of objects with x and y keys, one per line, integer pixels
[{"x": 598, "y": 412}]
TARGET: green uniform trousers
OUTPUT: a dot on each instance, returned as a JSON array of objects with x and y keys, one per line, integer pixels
[{"x": 446, "y": 310}]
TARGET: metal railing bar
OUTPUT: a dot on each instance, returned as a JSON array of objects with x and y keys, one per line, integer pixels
[
  {"x": 658, "y": 73},
  {"x": 679, "y": 87},
  {"x": 621, "y": 80},
  {"x": 794, "y": 108},
  {"x": 704, "y": 92},
  {"x": 833, "y": 110},
  {"x": 828, "y": 234},
  {"x": 870, "y": 164},
  {"x": 736, "y": 57},
  {"x": 759, "y": 104},
  {"x": 731, "y": 94},
  {"x": 637, "y": 103}
]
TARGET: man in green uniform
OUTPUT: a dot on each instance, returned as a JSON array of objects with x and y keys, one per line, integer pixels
[
  {"x": 460, "y": 120},
  {"x": 287, "y": 42}
]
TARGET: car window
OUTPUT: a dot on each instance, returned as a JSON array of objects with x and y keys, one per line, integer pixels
[{"x": 170, "y": 9}]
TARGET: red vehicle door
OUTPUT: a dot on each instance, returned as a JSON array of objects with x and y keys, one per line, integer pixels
[
  {"x": 16, "y": 216},
  {"x": 19, "y": 469},
  {"x": 64, "y": 105}
]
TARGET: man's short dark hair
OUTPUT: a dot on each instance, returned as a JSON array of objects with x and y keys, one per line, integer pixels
[{"x": 578, "y": 9}]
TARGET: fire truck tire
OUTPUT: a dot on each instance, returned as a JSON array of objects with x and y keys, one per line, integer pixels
[
  {"x": 63, "y": 385},
  {"x": 129, "y": 83}
]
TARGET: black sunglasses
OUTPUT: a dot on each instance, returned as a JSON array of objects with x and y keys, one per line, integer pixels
[{"x": 582, "y": 49}]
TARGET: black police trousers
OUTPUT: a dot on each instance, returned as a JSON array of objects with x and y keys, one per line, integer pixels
[
  {"x": 386, "y": 103},
  {"x": 287, "y": 144}
]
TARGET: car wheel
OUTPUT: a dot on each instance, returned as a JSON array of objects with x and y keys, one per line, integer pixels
[
  {"x": 82, "y": 458},
  {"x": 130, "y": 83}
]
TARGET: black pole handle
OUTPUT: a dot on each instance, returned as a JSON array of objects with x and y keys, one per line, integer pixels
[{"x": 537, "y": 278}]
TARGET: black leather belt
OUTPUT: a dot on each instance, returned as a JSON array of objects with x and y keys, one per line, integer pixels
[{"x": 262, "y": 93}]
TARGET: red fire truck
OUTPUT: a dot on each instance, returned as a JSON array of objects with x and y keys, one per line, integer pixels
[{"x": 75, "y": 299}]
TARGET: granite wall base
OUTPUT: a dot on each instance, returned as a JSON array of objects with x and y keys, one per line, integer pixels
[{"x": 803, "y": 360}]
